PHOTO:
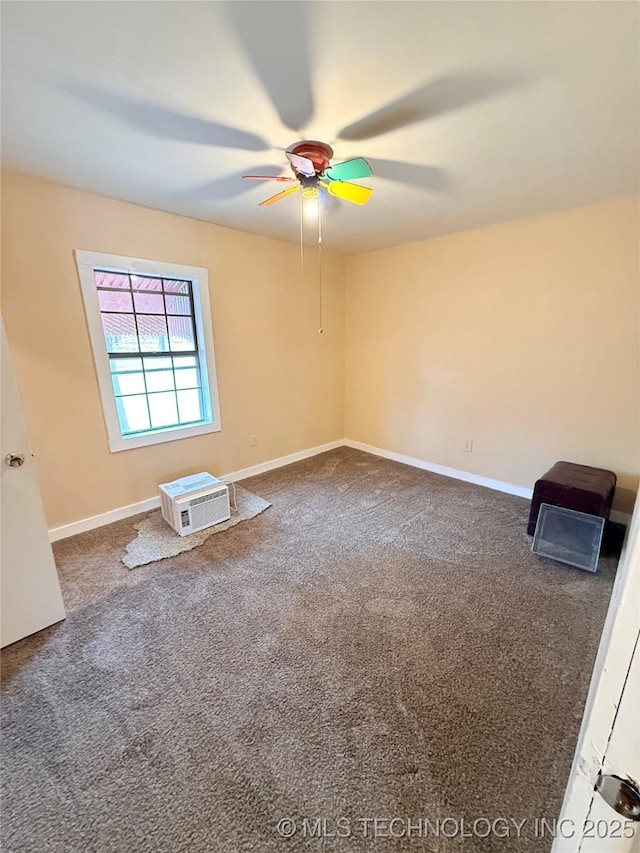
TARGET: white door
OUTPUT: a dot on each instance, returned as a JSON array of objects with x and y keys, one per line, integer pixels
[
  {"x": 609, "y": 744},
  {"x": 621, "y": 760},
  {"x": 31, "y": 597}
]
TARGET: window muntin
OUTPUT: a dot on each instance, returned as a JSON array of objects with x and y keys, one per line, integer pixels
[
  {"x": 154, "y": 319},
  {"x": 152, "y": 341}
]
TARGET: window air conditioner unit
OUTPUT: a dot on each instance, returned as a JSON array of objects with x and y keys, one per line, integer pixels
[{"x": 195, "y": 502}]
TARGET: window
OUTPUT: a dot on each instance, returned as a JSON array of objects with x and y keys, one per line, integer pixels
[{"x": 152, "y": 344}]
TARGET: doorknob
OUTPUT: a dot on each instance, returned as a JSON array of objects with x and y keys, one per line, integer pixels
[
  {"x": 14, "y": 460},
  {"x": 623, "y": 795}
]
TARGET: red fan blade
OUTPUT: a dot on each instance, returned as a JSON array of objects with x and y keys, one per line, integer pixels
[
  {"x": 265, "y": 178},
  {"x": 277, "y": 197}
]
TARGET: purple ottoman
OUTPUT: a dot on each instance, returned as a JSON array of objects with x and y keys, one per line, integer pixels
[{"x": 572, "y": 486}]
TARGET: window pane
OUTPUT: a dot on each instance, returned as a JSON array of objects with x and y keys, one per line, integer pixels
[
  {"x": 153, "y": 333},
  {"x": 184, "y": 361},
  {"x": 189, "y": 405},
  {"x": 140, "y": 282},
  {"x": 120, "y": 365},
  {"x": 178, "y": 304},
  {"x": 160, "y": 380},
  {"x": 149, "y": 303},
  {"x": 181, "y": 333},
  {"x": 120, "y": 332},
  {"x": 187, "y": 378},
  {"x": 157, "y": 363},
  {"x": 128, "y": 383},
  {"x": 133, "y": 413},
  {"x": 164, "y": 411},
  {"x": 172, "y": 286},
  {"x": 112, "y": 279},
  {"x": 115, "y": 300}
]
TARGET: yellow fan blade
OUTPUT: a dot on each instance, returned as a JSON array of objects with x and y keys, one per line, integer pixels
[
  {"x": 350, "y": 192},
  {"x": 277, "y": 197}
]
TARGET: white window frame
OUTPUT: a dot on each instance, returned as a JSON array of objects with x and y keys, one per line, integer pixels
[{"x": 87, "y": 262}]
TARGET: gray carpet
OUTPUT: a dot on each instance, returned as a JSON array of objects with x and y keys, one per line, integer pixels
[
  {"x": 156, "y": 540},
  {"x": 381, "y": 643}
]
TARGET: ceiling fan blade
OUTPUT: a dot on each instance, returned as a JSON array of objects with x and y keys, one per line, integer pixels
[
  {"x": 266, "y": 178},
  {"x": 226, "y": 187},
  {"x": 432, "y": 99},
  {"x": 350, "y": 192},
  {"x": 166, "y": 123},
  {"x": 349, "y": 170},
  {"x": 328, "y": 202},
  {"x": 280, "y": 54},
  {"x": 277, "y": 197},
  {"x": 302, "y": 164}
]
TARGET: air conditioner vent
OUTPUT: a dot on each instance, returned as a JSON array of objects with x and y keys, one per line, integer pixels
[{"x": 203, "y": 499}]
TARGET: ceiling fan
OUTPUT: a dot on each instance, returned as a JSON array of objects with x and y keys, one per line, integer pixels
[
  {"x": 310, "y": 162},
  {"x": 288, "y": 85}
]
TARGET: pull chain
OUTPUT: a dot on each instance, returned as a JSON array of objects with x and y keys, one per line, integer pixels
[
  {"x": 320, "y": 329},
  {"x": 301, "y": 233}
]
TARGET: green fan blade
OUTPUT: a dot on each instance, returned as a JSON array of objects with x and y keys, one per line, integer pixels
[{"x": 349, "y": 170}]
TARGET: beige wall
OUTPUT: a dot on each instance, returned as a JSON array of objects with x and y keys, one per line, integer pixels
[
  {"x": 522, "y": 337},
  {"x": 277, "y": 377}
]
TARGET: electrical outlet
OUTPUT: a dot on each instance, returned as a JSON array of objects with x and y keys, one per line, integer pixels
[
  {"x": 468, "y": 445},
  {"x": 253, "y": 440}
]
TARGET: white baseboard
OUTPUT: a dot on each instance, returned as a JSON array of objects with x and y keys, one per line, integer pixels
[
  {"x": 94, "y": 521},
  {"x": 112, "y": 515},
  {"x": 620, "y": 517},
  {"x": 454, "y": 473},
  {"x": 254, "y": 470}
]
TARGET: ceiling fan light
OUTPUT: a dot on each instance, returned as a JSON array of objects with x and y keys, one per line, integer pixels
[{"x": 311, "y": 207}]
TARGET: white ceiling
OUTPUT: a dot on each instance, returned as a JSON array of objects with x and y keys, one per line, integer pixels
[{"x": 470, "y": 113}]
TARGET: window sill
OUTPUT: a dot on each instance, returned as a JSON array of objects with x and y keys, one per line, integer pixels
[{"x": 160, "y": 437}]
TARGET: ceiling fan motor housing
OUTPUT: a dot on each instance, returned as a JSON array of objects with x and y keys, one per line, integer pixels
[
  {"x": 319, "y": 153},
  {"x": 310, "y": 187}
]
